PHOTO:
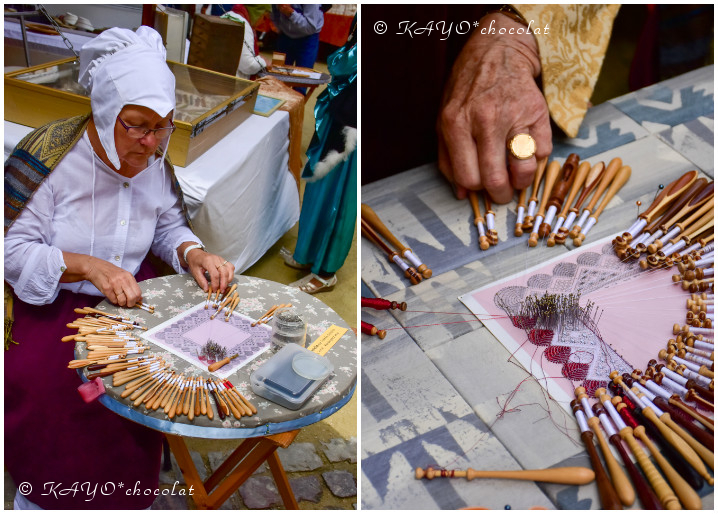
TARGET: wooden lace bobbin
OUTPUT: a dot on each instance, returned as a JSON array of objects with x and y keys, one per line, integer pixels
[
  {"x": 171, "y": 398},
  {"x": 677, "y": 461},
  {"x": 490, "y": 220},
  {"x": 528, "y": 221},
  {"x": 225, "y": 302},
  {"x": 165, "y": 397},
  {"x": 621, "y": 483},
  {"x": 692, "y": 264},
  {"x": 250, "y": 409},
  {"x": 686, "y": 367},
  {"x": 159, "y": 398},
  {"x": 697, "y": 274},
  {"x": 152, "y": 391},
  {"x": 371, "y": 235},
  {"x": 567, "y": 475},
  {"x": 552, "y": 173},
  {"x": 658, "y": 483},
  {"x": 660, "y": 204},
  {"x": 696, "y": 235},
  {"x": 207, "y": 404},
  {"x": 646, "y": 496},
  {"x": 234, "y": 406},
  {"x": 622, "y": 176},
  {"x": 222, "y": 408},
  {"x": 606, "y": 178},
  {"x": 672, "y": 223},
  {"x": 189, "y": 402},
  {"x": 700, "y": 364},
  {"x": 695, "y": 357},
  {"x": 176, "y": 407},
  {"x": 578, "y": 181},
  {"x": 231, "y": 401},
  {"x": 606, "y": 493},
  {"x": 695, "y": 286},
  {"x": 559, "y": 191},
  {"x": 381, "y": 304},
  {"x": 149, "y": 396},
  {"x": 687, "y": 331},
  {"x": 242, "y": 409},
  {"x": 231, "y": 307},
  {"x": 484, "y": 241},
  {"x": 196, "y": 397},
  {"x": 369, "y": 329},
  {"x": 229, "y": 292},
  {"x": 131, "y": 379},
  {"x": 677, "y": 442},
  {"x": 681, "y": 346},
  {"x": 368, "y": 215},
  {"x": 703, "y": 452},
  {"x": 520, "y": 213},
  {"x": 662, "y": 398},
  {"x": 684, "y": 492},
  {"x": 146, "y": 387},
  {"x": 690, "y": 200}
]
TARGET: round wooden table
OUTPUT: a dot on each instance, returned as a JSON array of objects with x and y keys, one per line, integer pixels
[{"x": 273, "y": 425}]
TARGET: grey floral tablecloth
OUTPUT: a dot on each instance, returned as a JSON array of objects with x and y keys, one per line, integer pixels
[{"x": 175, "y": 294}]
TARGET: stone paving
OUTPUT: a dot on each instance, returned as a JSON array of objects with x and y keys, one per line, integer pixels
[{"x": 322, "y": 476}]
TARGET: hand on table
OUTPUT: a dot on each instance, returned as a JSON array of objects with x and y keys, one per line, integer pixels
[
  {"x": 221, "y": 272},
  {"x": 118, "y": 285},
  {"x": 491, "y": 96}
]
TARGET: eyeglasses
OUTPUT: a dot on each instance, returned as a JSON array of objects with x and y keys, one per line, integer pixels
[{"x": 140, "y": 132}]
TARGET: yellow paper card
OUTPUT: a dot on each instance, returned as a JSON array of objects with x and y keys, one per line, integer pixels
[{"x": 325, "y": 341}]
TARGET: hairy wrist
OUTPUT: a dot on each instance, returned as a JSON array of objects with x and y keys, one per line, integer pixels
[{"x": 515, "y": 37}]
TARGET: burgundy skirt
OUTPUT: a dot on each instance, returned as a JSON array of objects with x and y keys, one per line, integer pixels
[{"x": 73, "y": 455}]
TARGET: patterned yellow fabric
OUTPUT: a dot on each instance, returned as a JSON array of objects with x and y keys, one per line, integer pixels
[{"x": 571, "y": 55}]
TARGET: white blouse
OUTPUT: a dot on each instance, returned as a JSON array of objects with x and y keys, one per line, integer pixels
[{"x": 85, "y": 207}]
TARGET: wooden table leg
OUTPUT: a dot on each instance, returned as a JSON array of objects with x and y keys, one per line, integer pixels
[
  {"x": 236, "y": 469},
  {"x": 282, "y": 482}
]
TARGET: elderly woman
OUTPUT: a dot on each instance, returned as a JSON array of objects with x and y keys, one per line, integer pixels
[{"x": 86, "y": 199}]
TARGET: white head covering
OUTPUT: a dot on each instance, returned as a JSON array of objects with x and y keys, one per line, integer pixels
[{"x": 121, "y": 67}]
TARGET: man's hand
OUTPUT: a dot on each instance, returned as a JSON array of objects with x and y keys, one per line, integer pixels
[{"x": 490, "y": 97}]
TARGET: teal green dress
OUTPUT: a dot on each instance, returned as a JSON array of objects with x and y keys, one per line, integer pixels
[{"x": 329, "y": 206}]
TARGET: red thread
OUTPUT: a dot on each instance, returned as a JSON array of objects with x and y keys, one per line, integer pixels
[
  {"x": 540, "y": 337},
  {"x": 557, "y": 354},
  {"x": 592, "y": 385},
  {"x": 367, "y": 328},
  {"x": 377, "y": 303},
  {"x": 523, "y": 322}
]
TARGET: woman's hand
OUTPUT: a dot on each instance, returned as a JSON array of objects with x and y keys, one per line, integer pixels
[
  {"x": 490, "y": 97},
  {"x": 118, "y": 285},
  {"x": 221, "y": 271}
]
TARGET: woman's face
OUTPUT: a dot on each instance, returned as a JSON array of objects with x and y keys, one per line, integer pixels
[{"x": 136, "y": 152}]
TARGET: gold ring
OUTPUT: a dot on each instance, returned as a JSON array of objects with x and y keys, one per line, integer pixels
[
  {"x": 522, "y": 146},
  {"x": 225, "y": 262}
]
